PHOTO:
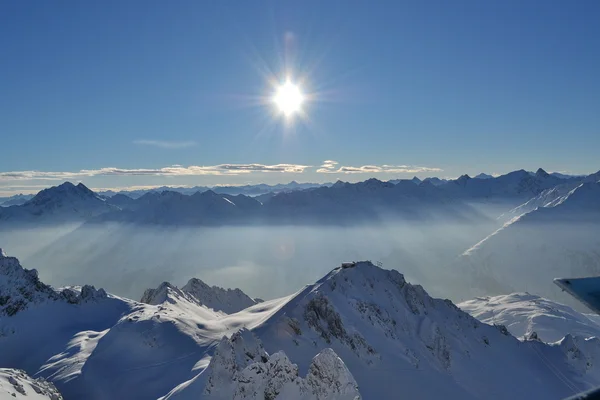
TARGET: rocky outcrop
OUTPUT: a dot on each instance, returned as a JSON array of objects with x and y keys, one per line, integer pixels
[
  {"x": 16, "y": 384},
  {"x": 241, "y": 369},
  {"x": 20, "y": 288}
]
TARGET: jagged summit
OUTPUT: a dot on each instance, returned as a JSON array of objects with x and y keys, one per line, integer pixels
[
  {"x": 20, "y": 288},
  {"x": 226, "y": 300},
  {"x": 219, "y": 299},
  {"x": 164, "y": 292}
]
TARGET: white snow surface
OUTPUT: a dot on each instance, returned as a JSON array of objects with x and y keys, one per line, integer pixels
[
  {"x": 16, "y": 384},
  {"x": 392, "y": 337},
  {"x": 524, "y": 313}
]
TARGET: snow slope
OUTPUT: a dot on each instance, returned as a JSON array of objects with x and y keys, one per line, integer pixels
[
  {"x": 524, "y": 313},
  {"x": 16, "y": 384}
]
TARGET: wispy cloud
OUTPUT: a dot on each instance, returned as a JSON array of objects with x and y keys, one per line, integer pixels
[
  {"x": 331, "y": 167},
  {"x": 174, "y": 170},
  {"x": 165, "y": 144}
]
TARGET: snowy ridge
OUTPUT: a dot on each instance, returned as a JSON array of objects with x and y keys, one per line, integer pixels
[
  {"x": 226, "y": 300},
  {"x": 524, "y": 313},
  {"x": 16, "y": 384}
]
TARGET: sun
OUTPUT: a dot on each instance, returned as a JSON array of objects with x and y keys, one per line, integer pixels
[{"x": 288, "y": 98}]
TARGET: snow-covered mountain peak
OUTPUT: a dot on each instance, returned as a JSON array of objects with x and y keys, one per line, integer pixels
[
  {"x": 165, "y": 292},
  {"x": 196, "y": 291},
  {"x": 219, "y": 299}
]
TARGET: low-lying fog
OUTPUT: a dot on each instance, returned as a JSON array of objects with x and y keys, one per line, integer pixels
[{"x": 265, "y": 262}]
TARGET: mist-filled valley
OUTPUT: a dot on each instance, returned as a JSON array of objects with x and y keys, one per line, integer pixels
[{"x": 264, "y": 261}]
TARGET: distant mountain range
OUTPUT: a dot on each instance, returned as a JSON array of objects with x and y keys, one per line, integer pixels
[
  {"x": 339, "y": 203},
  {"x": 248, "y": 190},
  {"x": 15, "y": 200}
]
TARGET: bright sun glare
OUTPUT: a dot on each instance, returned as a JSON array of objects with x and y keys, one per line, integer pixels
[{"x": 288, "y": 98}]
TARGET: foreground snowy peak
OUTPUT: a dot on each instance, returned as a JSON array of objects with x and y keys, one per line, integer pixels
[
  {"x": 226, "y": 300},
  {"x": 380, "y": 324},
  {"x": 16, "y": 384},
  {"x": 524, "y": 313},
  {"x": 241, "y": 369}
]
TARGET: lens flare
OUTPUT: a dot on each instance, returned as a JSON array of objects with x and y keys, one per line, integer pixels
[{"x": 288, "y": 98}]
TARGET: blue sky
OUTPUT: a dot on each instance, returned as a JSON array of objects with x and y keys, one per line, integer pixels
[{"x": 126, "y": 90}]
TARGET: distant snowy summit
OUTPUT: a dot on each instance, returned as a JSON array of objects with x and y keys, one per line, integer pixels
[{"x": 63, "y": 203}]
